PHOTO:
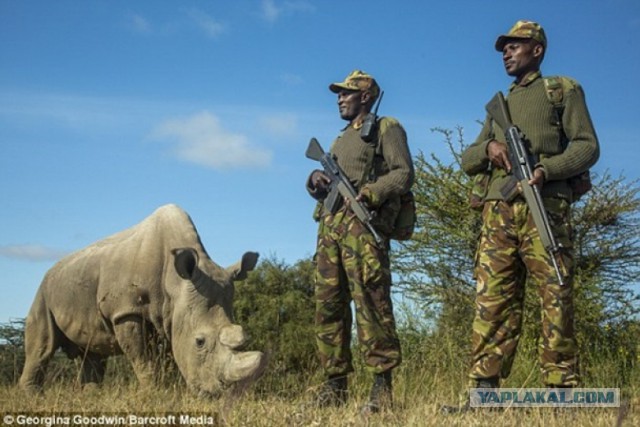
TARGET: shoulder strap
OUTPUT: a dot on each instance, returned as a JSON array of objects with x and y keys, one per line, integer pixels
[
  {"x": 377, "y": 149},
  {"x": 383, "y": 123},
  {"x": 557, "y": 86},
  {"x": 555, "y": 89}
]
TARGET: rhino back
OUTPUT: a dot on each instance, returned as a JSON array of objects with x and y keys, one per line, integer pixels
[{"x": 121, "y": 276}]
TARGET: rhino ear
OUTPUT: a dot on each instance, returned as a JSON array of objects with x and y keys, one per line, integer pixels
[
  {"x": 240, "y": 269},
  {"x": 186, "y": 261}
]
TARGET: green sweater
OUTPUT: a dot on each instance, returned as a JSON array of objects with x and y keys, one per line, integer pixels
[
  {"x": 394, "y": 168},
  {"x": 391, "y": 157},
  {"x": 534, "y": 114}
]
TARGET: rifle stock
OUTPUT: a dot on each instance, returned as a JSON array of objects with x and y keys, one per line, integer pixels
[{"x": 521, "y": 166}]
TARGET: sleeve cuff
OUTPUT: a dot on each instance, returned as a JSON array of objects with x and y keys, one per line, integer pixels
[{"x": 373, "y": 199}]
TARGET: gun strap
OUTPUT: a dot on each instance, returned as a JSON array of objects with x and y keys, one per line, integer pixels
[
  {"x": 554, "y": 89},
  {"x": 377, "y": 152}
]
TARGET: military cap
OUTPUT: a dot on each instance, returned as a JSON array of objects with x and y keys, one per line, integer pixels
[
  {"x": 523, "y": 30},
  {"x": 357, "y": 80}
]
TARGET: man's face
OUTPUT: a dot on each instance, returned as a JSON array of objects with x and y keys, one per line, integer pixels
[
  {"x": 350, "y": 104},
  {"x": 521, "y": 56}
]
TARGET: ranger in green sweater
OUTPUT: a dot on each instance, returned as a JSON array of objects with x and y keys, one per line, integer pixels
[
  {"x": 350, "y": 264},
  {"x": 552, "y": 115}
]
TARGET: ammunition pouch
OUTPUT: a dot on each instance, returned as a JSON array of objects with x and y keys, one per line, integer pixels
[
  {"x": 580, "y": 185},
  {"x": 405, "y": 222},
  {"x": 510, "y": 190},
  {"x": 396, "y": 217}
]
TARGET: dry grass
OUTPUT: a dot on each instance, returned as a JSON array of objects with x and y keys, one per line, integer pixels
[
  {"x": 416, "y": 405},
  {"x": 433, "y": 374}
]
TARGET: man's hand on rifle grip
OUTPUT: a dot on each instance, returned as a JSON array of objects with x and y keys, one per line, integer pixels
[{"x": 498, "y": 155}]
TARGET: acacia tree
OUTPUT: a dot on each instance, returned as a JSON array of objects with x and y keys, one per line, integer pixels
[
  {"x": 435, "y": 267},
  {"x": 275, "y": 306},
  {"x": 11, "y": 350}
]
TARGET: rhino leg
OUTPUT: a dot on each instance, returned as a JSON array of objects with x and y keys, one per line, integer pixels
[
  {"x": 41, "y": 340},
  {"x": 92, "y": 369},
  {"x": 132, "y": 333}
]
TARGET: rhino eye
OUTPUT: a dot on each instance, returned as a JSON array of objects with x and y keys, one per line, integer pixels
[{"x": 199, "y": 342}]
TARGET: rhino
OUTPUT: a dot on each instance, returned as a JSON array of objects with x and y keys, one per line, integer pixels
[{"x": 151, "y": 283}]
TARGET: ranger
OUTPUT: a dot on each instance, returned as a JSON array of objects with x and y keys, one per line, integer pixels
[
  {"x": 351, "y": 262},
  {"x": 554, "y": 124}
]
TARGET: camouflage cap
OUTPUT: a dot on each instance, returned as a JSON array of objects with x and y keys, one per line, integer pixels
[
  {"x": 357, "y": 80},
  {"x": 523, "y": 30}
]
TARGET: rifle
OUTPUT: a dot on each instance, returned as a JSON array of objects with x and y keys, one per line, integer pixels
[
  {"x": 340, "y": 186},
  {"x": 369, "y": 123},
  {"x": 523, "y": 172}
]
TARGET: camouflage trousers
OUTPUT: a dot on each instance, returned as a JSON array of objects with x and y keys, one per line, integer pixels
[
  {"x": 349, "y": 266},
  {"x": 509, "y": 250}
]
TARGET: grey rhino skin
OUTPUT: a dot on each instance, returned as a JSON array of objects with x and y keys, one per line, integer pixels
[{"x": 151, "y": 283}]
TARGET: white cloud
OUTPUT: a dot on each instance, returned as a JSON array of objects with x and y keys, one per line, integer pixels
[
  {"x": 271, "y": 11},
  {"x": 291, "y": 79},
  {"x": 32, "y": 252},
  {"x": 299, "y": 6},
  {"x": 139, "y": 24},
  {"x": 83, "y": 114},
  {"x": 280, "y": 125},
  {"x": 202, "y": 21},
  {"x": 201, "y": 139},
  {"x": 206, "y": 23}
]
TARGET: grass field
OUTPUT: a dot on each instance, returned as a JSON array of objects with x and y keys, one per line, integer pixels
[
  {"x": 411, "y": 409},
  {"x": 418, "y": 395},
  {"x": 433, "y": 373}
]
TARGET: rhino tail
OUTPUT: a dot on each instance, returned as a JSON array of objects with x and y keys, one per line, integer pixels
[{"x": 42, "y": 337}]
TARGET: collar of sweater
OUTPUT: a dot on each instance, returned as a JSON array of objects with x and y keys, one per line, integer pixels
[
  {"x": 527, "y": 80},
  {"x": 356, "y": 125}
]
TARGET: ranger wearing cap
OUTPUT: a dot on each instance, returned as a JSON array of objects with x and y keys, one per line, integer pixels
[
  {"x": 357, "y": 81},
  {"x": 523, "y": 30},
  {"x": 553, "y": 118},
  {"x": 350, "y": 264}
]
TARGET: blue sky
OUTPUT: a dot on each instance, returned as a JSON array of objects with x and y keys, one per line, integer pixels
[{"x": 110, "y": 109}]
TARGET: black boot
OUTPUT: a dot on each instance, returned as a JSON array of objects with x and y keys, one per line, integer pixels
[
  {"x": 465, "y": 405},
  {"x": 381, "y": 395},
  {"x": 334, "y": 392},
  {"x": 488, "y": 382}
]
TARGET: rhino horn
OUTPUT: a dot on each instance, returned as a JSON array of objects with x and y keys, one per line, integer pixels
[
  {"x": 244, "y": 366},
  {"x": 239, "y": 270}
]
